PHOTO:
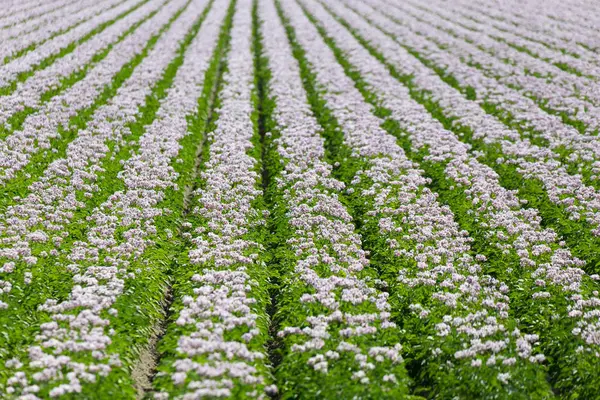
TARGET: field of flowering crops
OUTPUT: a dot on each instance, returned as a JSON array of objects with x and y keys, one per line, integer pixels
[{"x": 299, "y": 199}]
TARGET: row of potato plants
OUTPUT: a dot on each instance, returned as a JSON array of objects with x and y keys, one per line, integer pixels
[{"x": 215, "y": 342}]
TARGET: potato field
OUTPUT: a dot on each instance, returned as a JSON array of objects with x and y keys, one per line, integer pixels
[{"x": 299, "y": 199}]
